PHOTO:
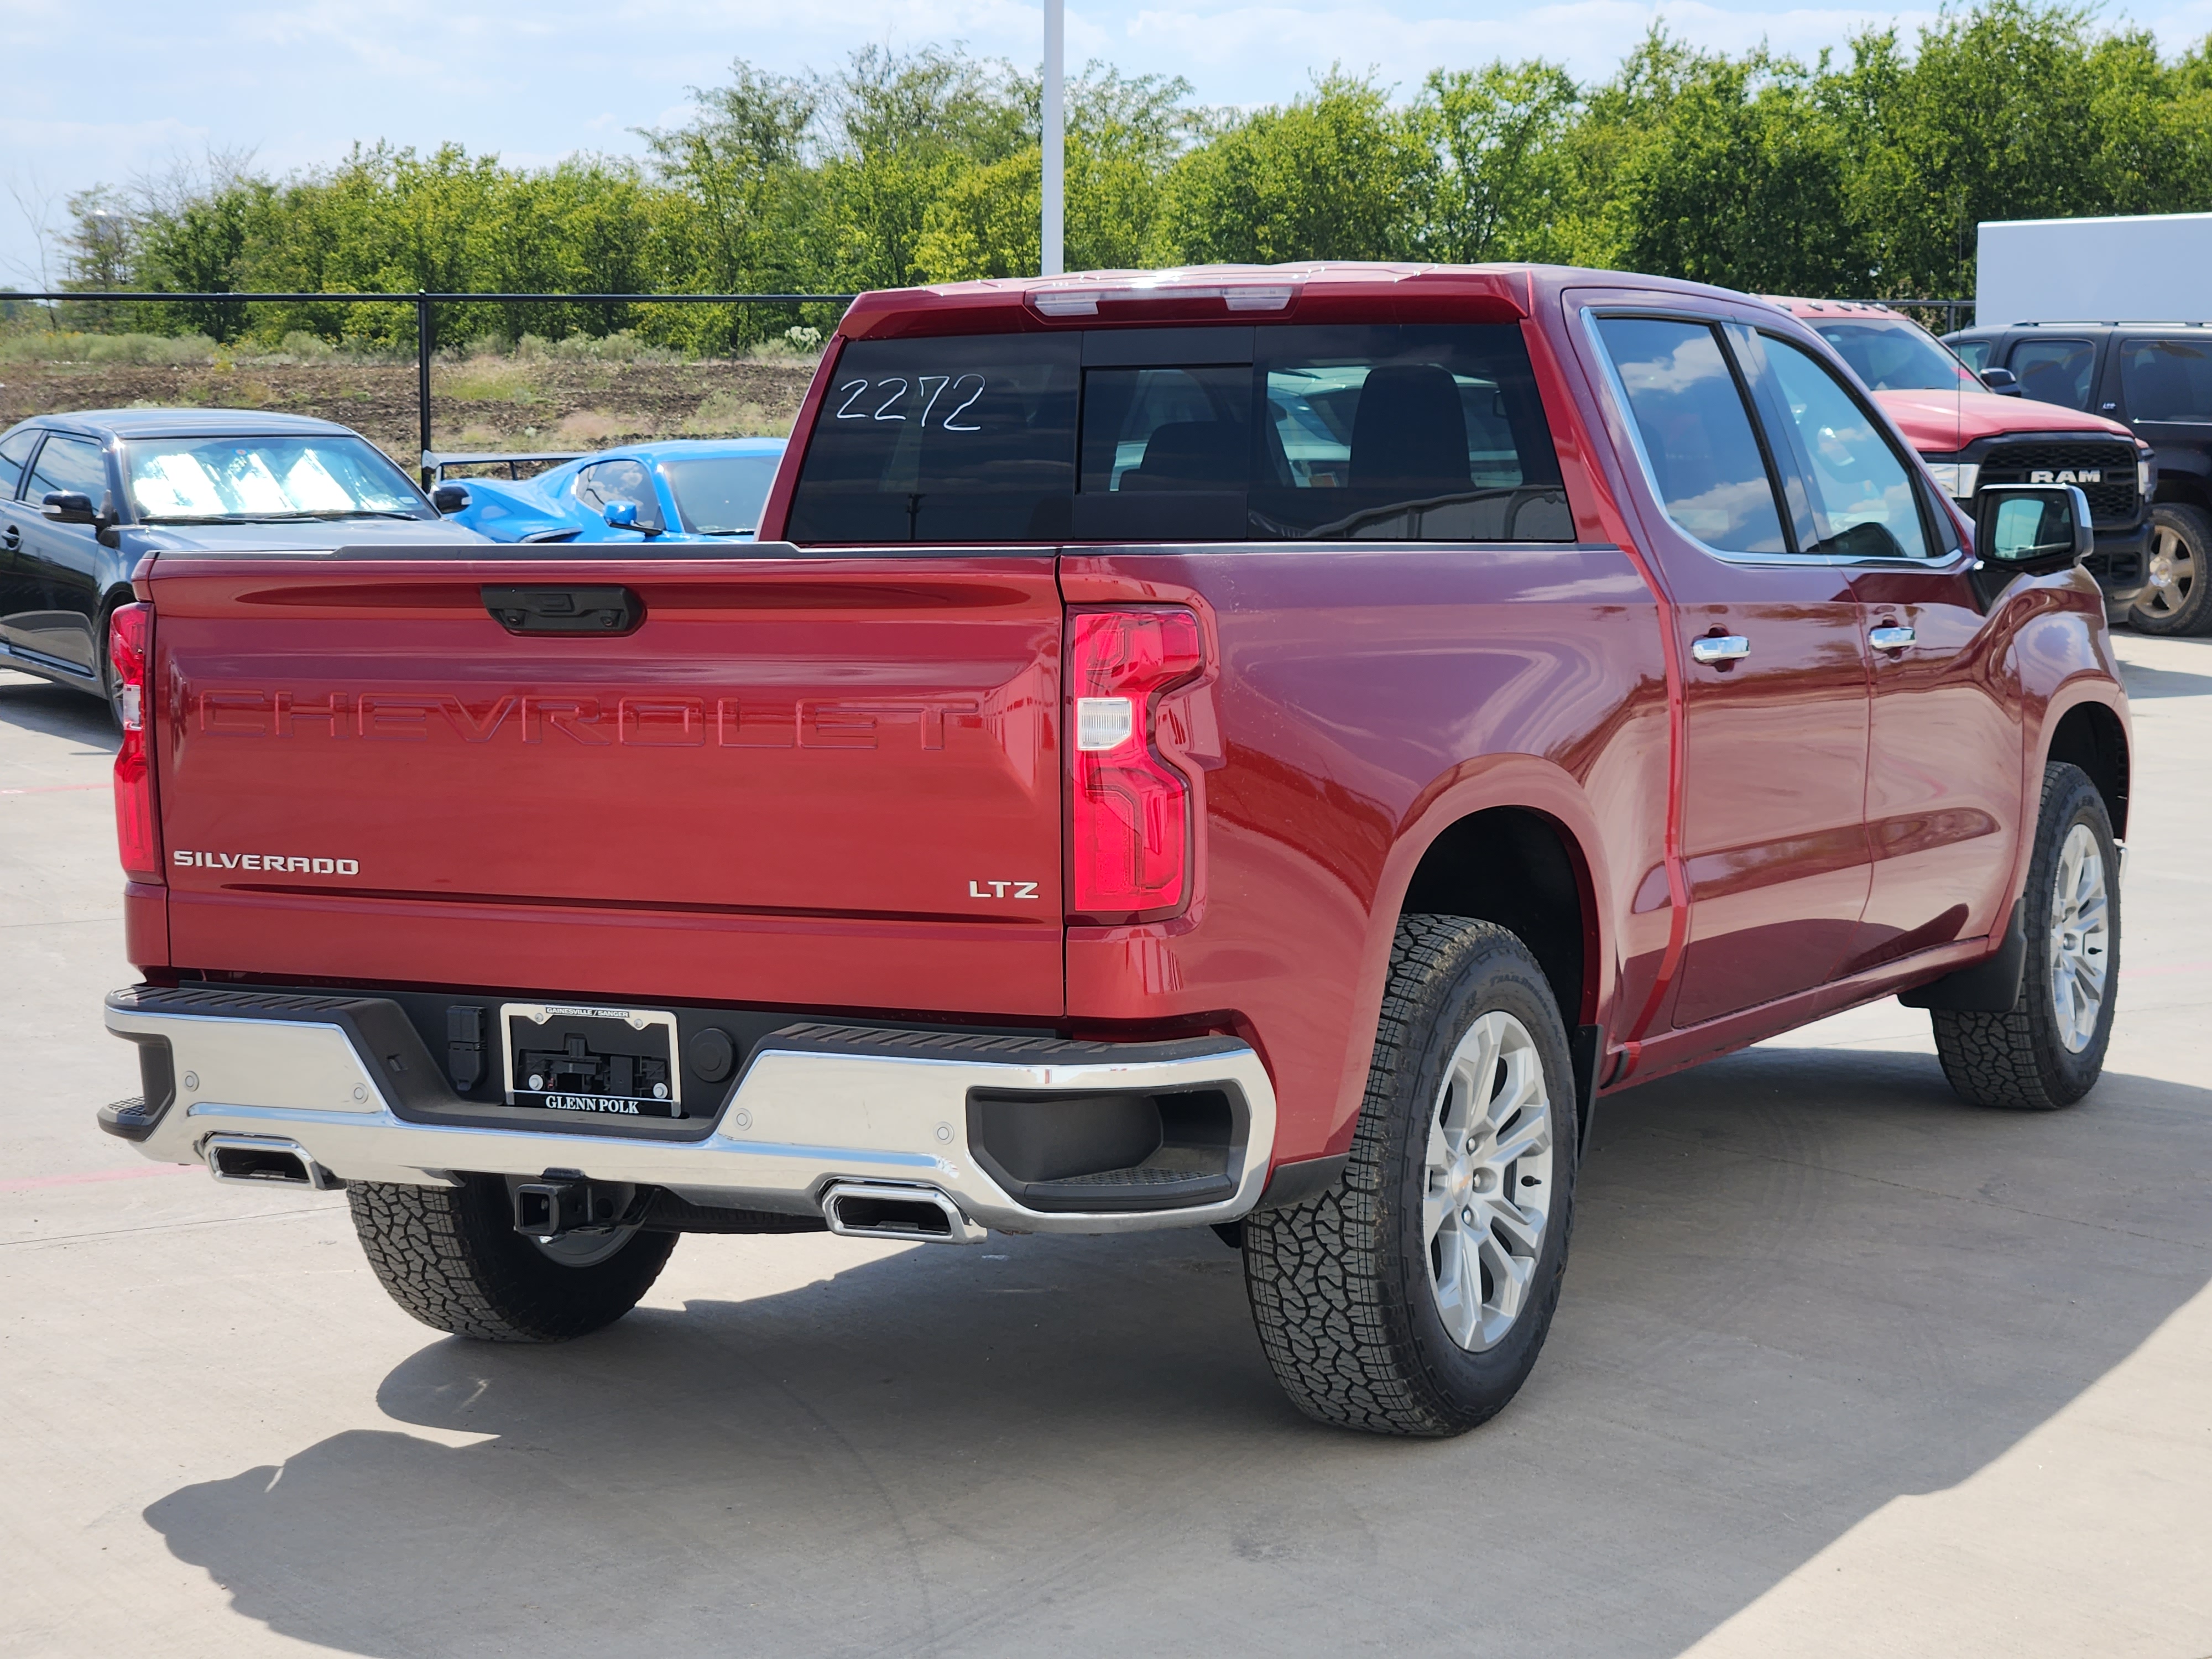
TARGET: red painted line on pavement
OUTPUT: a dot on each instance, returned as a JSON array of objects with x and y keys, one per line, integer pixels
[
  {"x": 56, "y": 788},
  {"x": 89, "y": 1176}
]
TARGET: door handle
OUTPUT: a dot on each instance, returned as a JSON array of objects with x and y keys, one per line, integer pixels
[
  {"x": 13, "y": 539},
  {"x": 1720, "y": 647},
  {"x": 1889, "y": 639},
  {"x": 565, "y": 610}
]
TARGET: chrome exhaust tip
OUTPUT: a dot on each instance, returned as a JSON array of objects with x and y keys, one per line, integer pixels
[
  {"x": 258, "y": 1161},
  {"x": 877, "y": 1209}
]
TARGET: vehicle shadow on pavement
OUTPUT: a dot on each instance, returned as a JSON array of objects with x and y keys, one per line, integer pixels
[
  {"x": 37, "y": 705},
  {"x": 1805, "y": 1282}
]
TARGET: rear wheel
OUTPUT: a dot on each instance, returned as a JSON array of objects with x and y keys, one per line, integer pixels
[
  {"x": 1413, "y": 1296},
  {"x": 2178, "y": 597},
  {"x": 450, "y": 1257},
  {"x": 2048, "y": 1050}
]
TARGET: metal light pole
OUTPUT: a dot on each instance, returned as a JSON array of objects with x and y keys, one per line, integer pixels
[{"x": 1055, "y": 138}]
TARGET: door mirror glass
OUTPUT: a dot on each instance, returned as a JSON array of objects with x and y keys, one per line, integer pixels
[
  {"x": 2003, "y": 381},
  {"x": 68, "y": 506},
  {"x": 2032, "y": 528}
]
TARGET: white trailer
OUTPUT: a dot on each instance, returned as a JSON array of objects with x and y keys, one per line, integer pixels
[{"x": 2152, "y": 267}]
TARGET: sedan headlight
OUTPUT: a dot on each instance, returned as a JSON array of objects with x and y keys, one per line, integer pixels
[{"x": 1957, "y": 477}]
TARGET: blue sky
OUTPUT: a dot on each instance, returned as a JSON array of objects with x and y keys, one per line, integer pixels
[{"x": 135, "y": 85}]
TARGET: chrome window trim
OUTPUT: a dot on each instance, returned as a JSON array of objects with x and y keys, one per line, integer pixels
[{"x": 1949, "y": 563}]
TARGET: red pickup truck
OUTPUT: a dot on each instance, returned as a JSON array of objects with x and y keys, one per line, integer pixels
[{"x": 1263, "y": 748}]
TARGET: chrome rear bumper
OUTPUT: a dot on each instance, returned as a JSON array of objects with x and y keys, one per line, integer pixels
[{"x": 814, "y": 1105}]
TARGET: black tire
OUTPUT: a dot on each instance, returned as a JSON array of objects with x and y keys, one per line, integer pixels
[
  {"x": 450, "y": 1257},
  {"x": 2021, "y": 1058},
  {"x": 1344, "y": 1287},
  {"x": 2182, "y": 537}
]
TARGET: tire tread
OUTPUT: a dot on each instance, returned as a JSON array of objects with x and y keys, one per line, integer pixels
[
  {"x": 1331, "y": 1320},
  {"x": 436, "y": 1255},
  {"x": 2005, "y": 1060}
]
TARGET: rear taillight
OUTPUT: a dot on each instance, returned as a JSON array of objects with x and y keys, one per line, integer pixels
[
  {"x": 1130, "y": 811},
  {"x": 138, "y": 831}
]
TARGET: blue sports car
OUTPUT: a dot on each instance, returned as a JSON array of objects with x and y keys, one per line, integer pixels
[{"x": 687, "y": 489}]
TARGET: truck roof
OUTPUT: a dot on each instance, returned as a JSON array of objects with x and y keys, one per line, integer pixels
[{"x": 1309, "y": 292}]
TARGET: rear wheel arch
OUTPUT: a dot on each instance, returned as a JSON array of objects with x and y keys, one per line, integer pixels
[
  {"x": 2182, "y": 489},
  {"x": 1525, "y": 870}
]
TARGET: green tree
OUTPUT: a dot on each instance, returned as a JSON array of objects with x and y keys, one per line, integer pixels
[
  {"x": 1337, "y": 174},
  {"x": 1122, "y": 134},
  {"x": 1741, "y": 181},
  {"x": 1504, "y": 174}
]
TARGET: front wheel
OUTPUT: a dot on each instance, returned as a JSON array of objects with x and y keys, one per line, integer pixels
[
  {"x": 1413, "y": 1296},
  {"x": 2047, "y": 1050},
  {"x": 450, "y": 1256}
]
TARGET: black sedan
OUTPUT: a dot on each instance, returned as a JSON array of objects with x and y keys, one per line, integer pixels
[{"x": 84, "y": 496}]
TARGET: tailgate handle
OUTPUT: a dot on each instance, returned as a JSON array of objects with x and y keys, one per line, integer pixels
[{"x": 564, "y": 610}]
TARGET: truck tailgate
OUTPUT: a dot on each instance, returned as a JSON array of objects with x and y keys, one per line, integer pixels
[{"x": 805, "y": 780}]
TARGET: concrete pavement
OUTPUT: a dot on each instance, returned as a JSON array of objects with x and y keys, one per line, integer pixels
[{"x": 1844, "y": 1366}]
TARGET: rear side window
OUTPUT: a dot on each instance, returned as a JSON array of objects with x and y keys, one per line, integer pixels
[
  {"x": 1422, "y": 433},
  {"x": 2055, "y": 370},
  {"x": 14, "y": 454},
  {"x": 2168, "y": 381},
  {"x": 1697, "y": 434}
]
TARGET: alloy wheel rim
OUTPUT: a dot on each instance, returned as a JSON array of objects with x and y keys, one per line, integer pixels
[
  {"x": 1487, "y": 1197},
  {"x": 2173, "y": 573},
  {"x": 2081, "y": 938}
]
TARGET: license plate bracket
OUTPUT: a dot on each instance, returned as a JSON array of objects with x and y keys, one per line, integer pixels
[{"x": 593, "y": 1061}]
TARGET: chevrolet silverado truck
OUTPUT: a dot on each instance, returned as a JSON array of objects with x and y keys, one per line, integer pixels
[{"x": 1257, "y": 747}]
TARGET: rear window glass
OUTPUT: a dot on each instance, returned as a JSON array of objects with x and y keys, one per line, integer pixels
[
  {"x": 1405, "y": 433},
  {"x": 1398, "y": 433},
  {"x": 962, "y": 440},
  {"x": 2168, "y": 380}
]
